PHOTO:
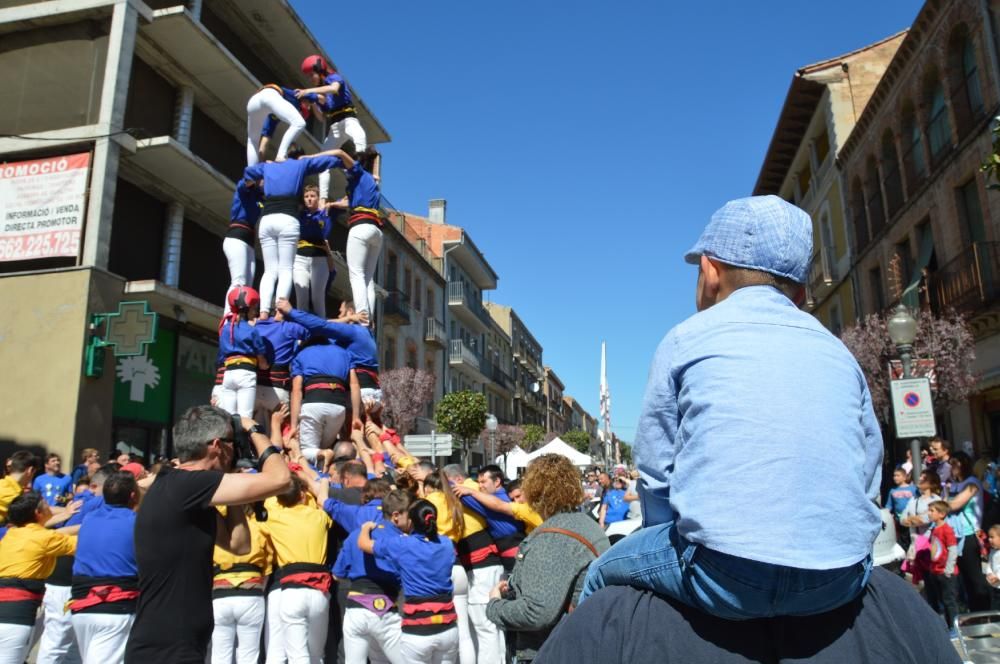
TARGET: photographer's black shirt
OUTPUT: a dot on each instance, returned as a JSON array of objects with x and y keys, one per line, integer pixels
[{"x": 174, "y": 535}]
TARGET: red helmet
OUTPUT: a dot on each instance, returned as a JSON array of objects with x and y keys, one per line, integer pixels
[
  {"x": 315, "y": 64},
  {"x": 242, "y": 297}
]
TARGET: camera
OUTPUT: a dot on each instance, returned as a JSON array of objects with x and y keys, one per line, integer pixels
[{"x": 245, "y": 453}]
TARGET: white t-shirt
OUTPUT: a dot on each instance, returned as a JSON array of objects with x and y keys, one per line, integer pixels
[
  {"x": 918, "y": 507},
  {"x": 995, "y": 565}
]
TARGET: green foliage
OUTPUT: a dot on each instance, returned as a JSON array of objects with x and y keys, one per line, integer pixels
[
  {"x": 462, "y": 414},
  {"x": 578, "y": 439},
  {"x": 626, "y": 450},
  {"x": 533, "y": 435},
  {"x": 991, "y": 167}
]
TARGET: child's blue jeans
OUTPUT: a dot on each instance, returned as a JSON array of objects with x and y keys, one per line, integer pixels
[{"x": 659, "y": 559}]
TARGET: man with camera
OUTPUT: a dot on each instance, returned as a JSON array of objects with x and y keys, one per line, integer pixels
[{"x": 177, "y": 526}]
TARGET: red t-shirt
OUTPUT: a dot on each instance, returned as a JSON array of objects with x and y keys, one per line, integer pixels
[{"x": 942, "y": 536}]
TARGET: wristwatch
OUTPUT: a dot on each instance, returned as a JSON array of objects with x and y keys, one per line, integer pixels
[{"x": 255, "y": 429}]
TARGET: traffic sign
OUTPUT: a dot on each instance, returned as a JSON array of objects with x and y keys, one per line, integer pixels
[{"x": 913, "y": 408}]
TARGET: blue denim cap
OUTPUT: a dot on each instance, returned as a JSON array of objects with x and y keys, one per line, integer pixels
[{"x": 758, "y": 233}]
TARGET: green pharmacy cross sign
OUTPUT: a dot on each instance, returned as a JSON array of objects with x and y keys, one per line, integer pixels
[{"x": 127, "y": 331}]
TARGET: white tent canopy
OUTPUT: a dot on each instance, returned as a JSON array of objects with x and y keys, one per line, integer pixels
[
  {"x": 558, "y": 446},
  {"x": 515, "y": 458}
]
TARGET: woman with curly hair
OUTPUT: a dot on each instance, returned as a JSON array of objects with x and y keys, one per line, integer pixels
[{"x": 552, "y": 561}]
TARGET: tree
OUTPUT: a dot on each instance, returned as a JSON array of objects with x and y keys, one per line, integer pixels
[
  {"x": 405, "y": 395},
  {"x": 626, "y": 449},
  {"x": 462, "y": 414},
  {"x": 578, "y": 439},
  {"x": 508, "y": 436},
  {"x": 946, "y": 340},
  {"x": 533, "y": 435}
]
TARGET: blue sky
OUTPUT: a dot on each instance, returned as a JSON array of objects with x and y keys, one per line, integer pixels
[{"x": 584, "y": 145}]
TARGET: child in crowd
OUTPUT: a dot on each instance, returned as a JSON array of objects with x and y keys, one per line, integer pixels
[
  {"x": 751, "y": 361},
  {"x": 241, "y": 352},
  {"x": 424, "y": 560},
  {"x": 613, "y": 505},
  {"x": 897, "y": 500},
  {"x": 993, "y": 575},
  {"x": 944, "y": 561}
]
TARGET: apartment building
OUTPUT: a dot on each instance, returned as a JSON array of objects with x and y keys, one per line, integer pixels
[
  {"x": 411, "y": 329},
  {"x": 823, "y": 103},
  {"x": 526, "y": 373},
  {"x": 920, "y": 211},
  {"x": 555, "y": 413},
  {"x": 147, "y": 102}
]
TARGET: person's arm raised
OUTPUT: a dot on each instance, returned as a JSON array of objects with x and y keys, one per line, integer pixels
[
  {"x": 487, "y": 500},
  {"x": 271, "y": 479}
]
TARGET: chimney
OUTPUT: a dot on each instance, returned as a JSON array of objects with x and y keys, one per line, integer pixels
[{"x": 436, "y": 210}]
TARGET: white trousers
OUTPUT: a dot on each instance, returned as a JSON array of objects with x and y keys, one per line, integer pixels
[
  {"x": 274, "y": 637},
  {"x": 14, "y": 642},
  {"x": 241, "y": 261},
  {"x": 239, "y": 391},
  {"x": 466, "y": 646},
  {"x": 430, "y": 649},
  {"x": 102, "y": 636},
  {"x": 279, "y": 238},
  {"x": 489, "y": 638},
  {"x": 338, "y": 134},
  {"x": 270, "y": 102},
  {"x": 238, "y": 622},
  {"x": 305, "y": 614},
  {"x": 58, "y": 643},
  {"x": 368, "y": 637},
  {"x": 364, "y": 243},
  {"x": 310, "y": 274},
  {"x": 269, "y": 399},
  {"x": 319, "y": 424}
]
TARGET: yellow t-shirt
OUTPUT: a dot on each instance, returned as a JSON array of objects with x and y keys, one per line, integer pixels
[
  {"x": 446, "y": 524},
  {"x": 259, "y": 555},
  {"x": 30, "y": 551},
  {"x": 9, "y": 490},
  {"x": 526, "y": 515},
  {"x": 297, "y": 534}
]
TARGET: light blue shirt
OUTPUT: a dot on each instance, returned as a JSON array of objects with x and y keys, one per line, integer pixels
[{"x": 755, "y": 392}]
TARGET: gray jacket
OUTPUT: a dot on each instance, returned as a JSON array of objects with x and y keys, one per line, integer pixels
[{"x": 547, "y": 575}]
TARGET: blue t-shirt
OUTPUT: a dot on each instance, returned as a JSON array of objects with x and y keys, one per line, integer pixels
[
  {"x": 321, "y": 359},
  {"x": 350, "y": 517},
  {"x": 314, "y": 226},
  {"x": 246, "y": 204},
  {"x": 271, "y": 122},
  {"x": 281, "y": 338},
  {"x": 900, "y": 497},
  {"x": 617, "y": 507},
  {"x": 285, "y": 179},
  {"x": 362, "y": 189},
  {"x": 424, "y": 565},
  {"x": 106, "y": 544},
  {"x": 343, "y": 98},
  {"x": 53, "y": 487},
  {"x": 357, "y": 339},
  {"x": 244, "y": 340},
  {"x": 498, "y": 523},
  {"x": 353, "y": 563}
]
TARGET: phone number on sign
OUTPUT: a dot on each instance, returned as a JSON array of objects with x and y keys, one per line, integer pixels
[{"x": 39, "y": 245}]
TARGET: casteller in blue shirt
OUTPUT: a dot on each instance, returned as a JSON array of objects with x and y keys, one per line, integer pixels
[{"x": 285, "y": 179}]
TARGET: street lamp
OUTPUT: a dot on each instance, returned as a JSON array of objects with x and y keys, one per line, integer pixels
[
  {"x": 491, "y": 426},
  {"x": 903, "y": 330}
]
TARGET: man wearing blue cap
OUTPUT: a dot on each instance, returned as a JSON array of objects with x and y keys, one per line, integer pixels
[{"x": 754, "y": 390}]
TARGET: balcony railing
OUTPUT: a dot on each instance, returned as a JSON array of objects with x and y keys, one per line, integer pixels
[
  {"x": 434, "y": 332},
  {"x": 396, "y": 308},
  {"x": 970, "y": 282},
  {"x": 459, "y": 353},
  {"x": 459, "y": 295}
]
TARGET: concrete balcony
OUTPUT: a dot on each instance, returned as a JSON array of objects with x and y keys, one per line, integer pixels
[
  {"x": 466, "y": 308},
  {"x": 460, "y": 355},
  {"x": 396, "y": 308},
  {"x": 434, "y": 333}
]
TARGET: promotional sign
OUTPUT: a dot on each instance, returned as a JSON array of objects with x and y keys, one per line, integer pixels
[
  {"x": 42, "y": 204},
  {"x": 912, "y": 408}
]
